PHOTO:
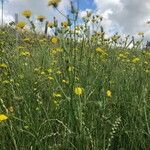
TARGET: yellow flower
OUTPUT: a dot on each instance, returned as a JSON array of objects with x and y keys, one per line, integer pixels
[
  {"x": 3, "y": 66},
  {"x": 65, "y": 81},
  {"x": 59, "y": 72},
  {"x": 135, "y": 60},
  {"x": 42, "y": 73},
  {"x": 65, "y": 24},
  {"x": 27, "y": 40},
  {"x": 49, "y": 71},
  {"x": 56, "y": 103},
  {"x": 51, "y": 24},
  {"x": 108, "y": 93},
  {"x": 57, "y": 95},
  {"x": 41, "y": 18},
  {"x": 27, "y": 13},
  {"x": 59, "y": 49},
  {"x": 21, "y": 25},
  {"x": 54, "y": 3},
  {"x": 122, "y": 55},
  {"x": 50, "y": 78},
  {"x": 100, "y": 50},
  {"x": 3, "y": 117},
  {"x": 141, "y": 33},
  {"x": 70, "y": 68},
  {"x": 54, "y": 40},
  {"x": 78, "y": 91},
  {"x": 26, "y": 54}
]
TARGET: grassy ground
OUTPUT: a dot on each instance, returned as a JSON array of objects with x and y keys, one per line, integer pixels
[{"x": 61, "y": 94}]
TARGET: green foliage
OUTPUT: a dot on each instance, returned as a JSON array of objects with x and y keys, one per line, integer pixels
[{"x": 38, "y": 76}]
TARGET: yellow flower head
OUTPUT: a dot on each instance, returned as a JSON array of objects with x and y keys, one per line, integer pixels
[
  {"x": 65, "y": 24},
  {"x": 3, "y": 66},
  {"x": 109, "y": 93},
  {"x": 50, "y": 78},
  {"x": 25, "y": 54},
  {"x": 78, "y": 91},
  {"x": 21, "y": 25},
  {"x": 54, "y": 40},
  {"x": 141, "y": 33},
  {"x": 50, "y": 24},
  {"x": 3, "y": 117},
  {"x": 54, "y": 3},
  {"x": 41, "y": 18},
  {"x": 135, "y": 60},
  {"x": 27, "y": 40},
  {"x": 100, "y": 50},
  {"x": 27, "y": 13},
  {"x": 57, "y": 95},
  {"x": 65, "y": 81}
]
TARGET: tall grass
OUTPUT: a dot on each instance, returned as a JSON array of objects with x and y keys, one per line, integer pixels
[{"x": 37, "y": 94}]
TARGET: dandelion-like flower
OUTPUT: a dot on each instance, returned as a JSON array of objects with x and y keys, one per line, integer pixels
[
  {"x": 27, "y": 13},
  {"x": 3, "y": 66},
  {"x": 54, "y": 40},
  {"x": 54, "y": 3},
  {"x": 21, "y": 25},
  {"x": 25, "y": 54},
  {"x": 65, "y": 81},
  {"x": 100, "y": 50},
  {"x": 141, "y": 33},
  {"x": 78, "y": 91},
  {"x": 50, "y": 24},
  {"x": 135, "y": 60},
  {"x": 57, "y": 95},
  {"x": 50, "y": 78},
  {"x": 41, "y": 18},
  {"x": 65, "y": 24},
  {"x": 109, "y": 93},
  {"x": 3, "y": 117},
  {"x": 27, "y": 40}
]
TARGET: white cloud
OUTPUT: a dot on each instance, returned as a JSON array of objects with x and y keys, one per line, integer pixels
[
  {"x": 84, "y": 13},
  {"x": 38, "y": 7},
  {"x": 127, "y": 16}
]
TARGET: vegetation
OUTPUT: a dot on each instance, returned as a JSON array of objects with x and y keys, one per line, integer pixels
[{"x": 72, "y": 90}]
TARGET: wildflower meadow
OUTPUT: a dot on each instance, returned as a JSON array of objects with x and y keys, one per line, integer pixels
[{"x": 73, "y": 89}]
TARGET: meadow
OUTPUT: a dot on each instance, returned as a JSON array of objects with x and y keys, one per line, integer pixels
[{"x": 72, "y": 90}]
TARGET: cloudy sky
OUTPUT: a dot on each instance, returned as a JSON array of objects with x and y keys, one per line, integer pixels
[{"x": 123, "y": 16}]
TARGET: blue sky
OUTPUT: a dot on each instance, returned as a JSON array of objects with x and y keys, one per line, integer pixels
[
  {"x": 87, "y": 4},
  {"x": 123, "y": 16}
]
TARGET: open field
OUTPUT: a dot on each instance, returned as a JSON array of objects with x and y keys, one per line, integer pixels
[
  {"x": 109, "y": 108},
  {"x": 72, "y": 91}
]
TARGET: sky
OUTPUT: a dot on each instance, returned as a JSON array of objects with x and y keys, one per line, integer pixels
[{"x": 123, "y": 16}]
